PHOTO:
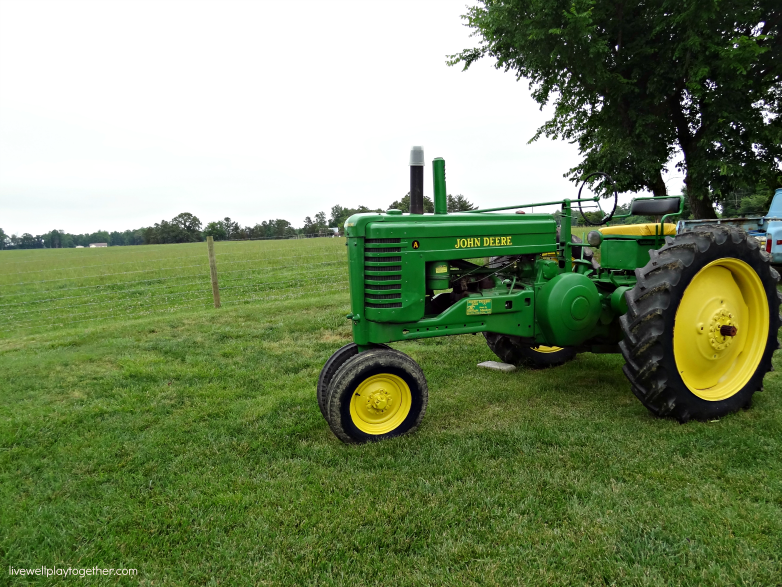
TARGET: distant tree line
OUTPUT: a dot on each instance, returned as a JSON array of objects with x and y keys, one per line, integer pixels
[{"x": 187, "y": 228}]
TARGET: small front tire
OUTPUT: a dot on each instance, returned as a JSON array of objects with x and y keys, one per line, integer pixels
[
  {"x": 330, "y": 369},
  {"x": 377, "y": 394}
]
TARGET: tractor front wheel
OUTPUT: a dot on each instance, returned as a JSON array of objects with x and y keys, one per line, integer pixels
[
  {"x": 377, "y": 394},
  {"x": 329, "y": 370},
  {"x": 701, "y": 324},
  {"x": 511, "y": 351}
]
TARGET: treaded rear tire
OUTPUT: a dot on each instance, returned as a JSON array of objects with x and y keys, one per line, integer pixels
[{"x": 648, "y": 325}]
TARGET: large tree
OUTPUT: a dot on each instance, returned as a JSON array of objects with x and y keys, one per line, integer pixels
[
  {"x": 183, "y": 228},
  {"x": 189, "y": 224},
  {"x": 634, "y": 82}
]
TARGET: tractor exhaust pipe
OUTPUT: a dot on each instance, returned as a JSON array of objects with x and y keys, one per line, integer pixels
[{"x": 417, "y": 180}]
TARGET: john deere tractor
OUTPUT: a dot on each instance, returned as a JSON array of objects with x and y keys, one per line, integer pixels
[{"x": 695, "y": 315}]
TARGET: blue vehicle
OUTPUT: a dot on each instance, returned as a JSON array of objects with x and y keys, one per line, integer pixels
[{"x": 767, "y": 229}]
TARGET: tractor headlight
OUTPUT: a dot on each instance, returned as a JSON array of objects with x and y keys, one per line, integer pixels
[{"x": 594, "y": 238}]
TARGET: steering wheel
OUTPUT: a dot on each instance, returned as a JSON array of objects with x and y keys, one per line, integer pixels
[{"x": 606, "y": 217}]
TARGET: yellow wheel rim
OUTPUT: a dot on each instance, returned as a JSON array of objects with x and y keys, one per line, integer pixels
[
  {"x": 725, "y": 293},
  {"x": 380, "y": 404},
  {"x": 546, "y": 349}
]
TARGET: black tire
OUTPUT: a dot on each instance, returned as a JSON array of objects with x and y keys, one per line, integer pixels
[
  {"x": 511, "y": 350},
  {"x": 648, "y": 346},
  {"x": 330, "y": 368},
  {"x": 369, "y": 372}
]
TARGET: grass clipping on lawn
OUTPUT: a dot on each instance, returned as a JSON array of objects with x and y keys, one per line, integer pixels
[{"x": 190, "y": 446}]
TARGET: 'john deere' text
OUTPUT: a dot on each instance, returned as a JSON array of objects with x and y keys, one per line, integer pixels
[{"x": 486, "y": 241}]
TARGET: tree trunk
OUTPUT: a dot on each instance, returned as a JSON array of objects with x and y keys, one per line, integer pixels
[
  {"x": 697, "y": 186},
  {"x": 698, "y": 197},
  {"x": 658, "y": 187}
]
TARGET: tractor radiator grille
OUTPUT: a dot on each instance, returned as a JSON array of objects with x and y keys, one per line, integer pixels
[
  {"x": 384, "y": 269},
  {"x": 383, "y": 259},
  {"x": 394, "y": 296},
  {"x": 377, "y": 267}
]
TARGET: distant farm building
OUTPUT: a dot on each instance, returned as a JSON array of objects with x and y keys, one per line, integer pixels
[{"x": 96, "y": 245}]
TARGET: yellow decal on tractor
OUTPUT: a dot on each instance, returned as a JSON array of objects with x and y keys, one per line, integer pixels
[
  {"x": 486, "y": 241},
  {"x": 478, "y": 307}
]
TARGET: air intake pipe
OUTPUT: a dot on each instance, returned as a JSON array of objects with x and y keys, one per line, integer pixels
[
  {"x": 440, "y": 198},
  {"x": 417, "y": 180}
]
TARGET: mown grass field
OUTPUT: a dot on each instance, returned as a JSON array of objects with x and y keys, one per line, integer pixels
[
  {"x": 45, "y": 289},
  {"x": 189, "y": 445}
]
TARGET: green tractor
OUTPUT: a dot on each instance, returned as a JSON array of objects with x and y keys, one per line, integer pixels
[{"x": 695, "y": 315}]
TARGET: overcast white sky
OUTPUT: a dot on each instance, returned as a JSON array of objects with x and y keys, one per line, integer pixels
[{"x": 115, "y": 114}]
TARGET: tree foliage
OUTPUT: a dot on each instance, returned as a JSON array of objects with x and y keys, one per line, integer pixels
[
  {"x": 216, "y": 230},
  {"x": 339, "y": 214},
  {"x": 459, "y": 203},
  {"x": 404, "y": 204},
  {"x": 277, "y": 228},
  {"x": 187, "y": 223},
  {"x": 633, "y": 82},
  {"x": 183, "y": 228},
  {"x": 746, "y": 202},
  {"x": 317, "y": 226},
  {"x": 456, "y": 203}
]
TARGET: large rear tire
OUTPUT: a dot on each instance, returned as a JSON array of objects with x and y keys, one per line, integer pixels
[
  {"x": 701, "y": 325},
  {"x": 512, "y": 351}
]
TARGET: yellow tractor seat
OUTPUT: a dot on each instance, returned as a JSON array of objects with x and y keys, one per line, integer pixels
[{"x": 649, "y": 229}]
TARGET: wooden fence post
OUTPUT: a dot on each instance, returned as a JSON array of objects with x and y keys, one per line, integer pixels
[{"x": 210, "y": 243}]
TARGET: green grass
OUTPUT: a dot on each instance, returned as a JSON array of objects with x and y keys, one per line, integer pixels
[
  {"x": 189, "y": 445},
  {"x": 44, "y": 289}
]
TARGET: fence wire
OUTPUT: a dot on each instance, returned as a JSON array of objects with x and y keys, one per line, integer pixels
[{"x": 248, "y": 272}]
